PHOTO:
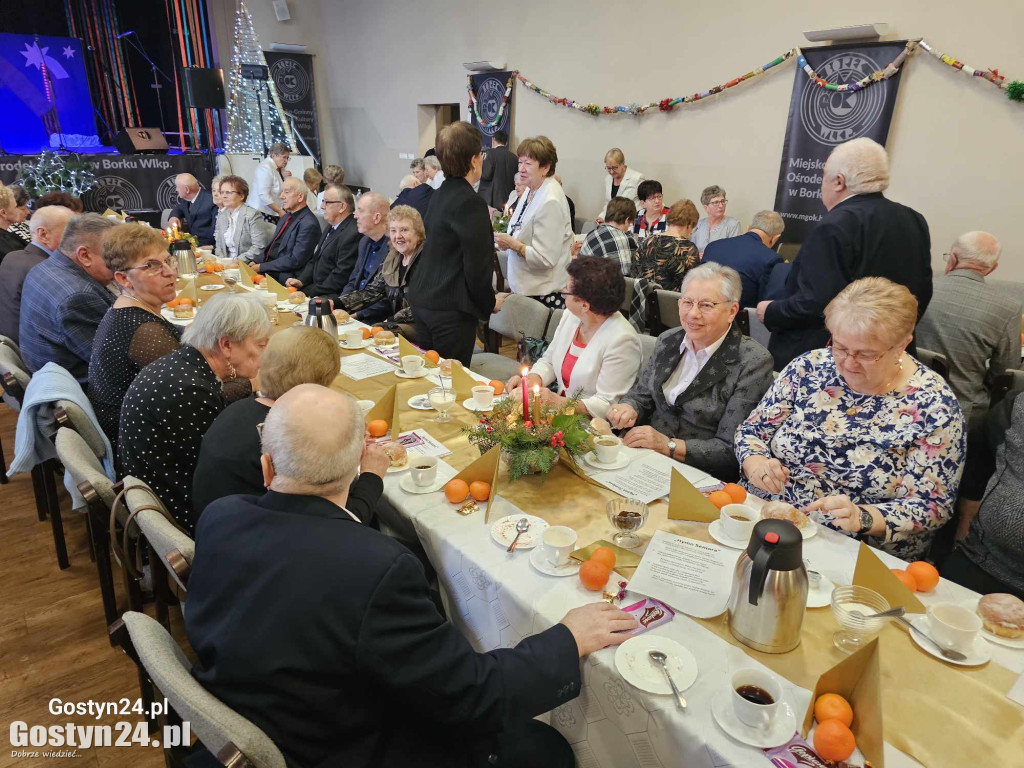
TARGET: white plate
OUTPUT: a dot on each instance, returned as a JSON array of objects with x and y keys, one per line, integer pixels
[
  {"x": 777, "y": 734},
  {"x": 504, "y": 530},
  {"x": 637, "y": 669},
  {"x": 420, "y": 403},
  {"x": 470, "y": 405},
  {"x": 168, "y": 314},
  {"x": 1008, "y": 642},
  {"x": 212, "y": 287},
  {"x": 403, "y": 375},
  {"x": 822, "y": 596},
  {"x": 718, "y": 534},
  {"x": 810, "y": 529},
  {"x": 542, "y": 564},
  {"x": 407, "y": 485},
  {"x": 362, "y": 345},
  {"x": 619, "y": 463},
  {"x": 980, "y": 654}
]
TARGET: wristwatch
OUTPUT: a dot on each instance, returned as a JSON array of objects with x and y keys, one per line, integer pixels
[
  {"x": 867, "y": 520},
  {"x": 671, "y": 447}
]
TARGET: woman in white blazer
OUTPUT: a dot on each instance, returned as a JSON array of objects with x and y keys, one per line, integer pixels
[
  {"x": 266, "y": 182},
  {"x": 540, "y": 233},
  {"x": 595, "y": 350},
  {"x": 625, "y": 180}
]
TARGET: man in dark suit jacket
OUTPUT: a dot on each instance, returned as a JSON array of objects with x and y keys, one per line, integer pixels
[
  {"x": 335, "y": 255},
  {"x": 322, "y": 632},
  {"x": 296, "y": 235},
  {"x": 498, "y": 175},
  {"x": 862, "y": 235},
  {"x": 195, "y": 212},
  {"x": 415, "y": 194},
  {"x": 372, "y": 221},
  {"x": 751, "y": 255}
]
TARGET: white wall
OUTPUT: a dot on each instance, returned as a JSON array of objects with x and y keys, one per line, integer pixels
[{"x": 957, "y": 144}]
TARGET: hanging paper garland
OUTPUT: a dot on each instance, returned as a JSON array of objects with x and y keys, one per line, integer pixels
[
  {"x": 1015, "y": 90},
  {"x": 501, "y": 110}
]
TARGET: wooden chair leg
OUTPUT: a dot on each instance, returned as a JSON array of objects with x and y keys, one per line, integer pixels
[
  {"x": 3, "y": 465},
  {"x": 53, "y": 506},
  {"x": 37, "y": 489},
  {"x": 101, "y": 546}
]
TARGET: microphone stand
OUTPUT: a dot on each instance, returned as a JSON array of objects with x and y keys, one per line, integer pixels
[
  {"x": 302, "y": 141},
  {"x": 155, "y": 70}
]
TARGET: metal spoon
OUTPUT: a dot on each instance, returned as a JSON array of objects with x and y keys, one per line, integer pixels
[
  {"x": 894, "y": 613},
  {"x": 660, "y": 660},
  {"x": 951, "y": 655},
  {"x": 521, "y": 527}
]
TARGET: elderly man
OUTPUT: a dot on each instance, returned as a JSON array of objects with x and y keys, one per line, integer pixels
[
  {"x": 372, "y": 221},
  {"x": 432, "y": 170},
  {"x": 414, "y": 194},
  {"x": 621, "y": 180},
  {"x": 65, "y": 297},
  {"x": 974, "y": 325},
  {"x": 751, "y": 255},
  {"x": 498, "y": 176},
  {"x": 195, "y": 211},
  {"x": 354, "y": 665},
  {"x": 702, "y": 380},
  {"x": 296, "y": 235},
  {"x": 334, "y": 257},
  {"x": 862, "y": 235},
  {"x": 47, "y": 228}
]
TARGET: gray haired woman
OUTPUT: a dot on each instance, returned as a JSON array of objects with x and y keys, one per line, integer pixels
[
  {"x": 172, "y": 402},
  {"x": 716, "y": 225}
]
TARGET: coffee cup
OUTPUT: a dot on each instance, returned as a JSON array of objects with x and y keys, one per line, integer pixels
[
  {"x": 412, "y": 364},
  {"x": 557, "y": 543},
  {"x": 424, "y": 471},
  {"x": 756, "y": 694},
  {"x": 953, "y": 626},
  {"x": 483, "y": 397},
  {"x": 353, "y": 337},
  {"x": 738, "y": 521},
  {"x": 607, "y": 448}
]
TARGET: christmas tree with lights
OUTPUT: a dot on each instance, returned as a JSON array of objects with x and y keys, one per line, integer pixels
[{"x": 247, "y": 114}]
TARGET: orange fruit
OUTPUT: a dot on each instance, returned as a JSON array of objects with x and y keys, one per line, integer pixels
[
  {"x": 480, "y": 490},
  {"x": 366, "y": 332},
  {"x": 375, "y": 330},
  {"x": 604, "y": 555},
  {"x": 456, "y": 491},
  {"x": 720, "y": 498},
  {"x": 832, "y": 706},
  {"x": 833, "y": 740},
  {"x": 292, "y": 289},
  {"x": 377, "y": 428},
  {"x": 172, "y": 303},
  {"x": 736, "y": 492},
  {"x": 594, "y": 575},
  {"x": 432, "y": 357},
  {"x": 908, "y": 581},
  {"x": 186, "y": 302},
  {"x": 218, "y": 267},
  {"x": 925, "y": 574},
  {"x": 497, "y": 386}
]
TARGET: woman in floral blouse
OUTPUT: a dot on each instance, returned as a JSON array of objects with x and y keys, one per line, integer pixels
[
  {"x": 860, "y": 432},
  {"x": 665, "y": 258}
]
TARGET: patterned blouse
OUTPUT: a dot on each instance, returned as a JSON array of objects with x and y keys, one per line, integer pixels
[
  {"x": 665, "y": 259},
  {"x": 902, "y": 453}
]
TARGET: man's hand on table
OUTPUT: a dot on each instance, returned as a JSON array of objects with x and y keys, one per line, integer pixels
[
  {"x": 598, "y": 625},
  {"x": 292, "y": 282},
  {"x": 374, "y": 459}
]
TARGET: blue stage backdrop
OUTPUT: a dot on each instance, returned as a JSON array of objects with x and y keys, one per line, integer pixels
[{"x": 35, "y": 109}]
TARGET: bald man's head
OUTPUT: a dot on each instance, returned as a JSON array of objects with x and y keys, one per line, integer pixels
[
  {"x": 976, "y": 250},
  {"x": 186, "y": 185},
  {"x": 312, "y": 440},
  {"x": 372, "y": 215},
  {"x": 47, "y": 225}
]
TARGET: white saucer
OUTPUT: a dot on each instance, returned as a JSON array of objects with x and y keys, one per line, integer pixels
[
  {"x": 591, "y": 459},
  {"x": 777, "y": 734},
  {"x": 396, "y": 470},
  {"x": 362, "y": 345},
  {"x": 718, "y": 534},
  {"x": 980, "y": 654},
  {"x": 810, "y": 529},
  {"x": 470, "y": 405},
  {"x": 822, "y": 596},
  {"x": 407, "y": 485},
  {"x": 1008, "y": 642},
  {"x": 420, "y": 403},
  {"x": 504, "y": 531},
  {"x": 637, "y": 669},
  {"x": 542, "y": 564},
  {"x": 403, "y": 375},
  {"x": 168, "y": 314},
  {"x": 213, "y": 287}
]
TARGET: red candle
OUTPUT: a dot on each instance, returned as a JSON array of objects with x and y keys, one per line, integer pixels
[{"x": 526, "y": 398}]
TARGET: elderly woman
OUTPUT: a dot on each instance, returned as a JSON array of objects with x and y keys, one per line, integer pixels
[
  {"x": 653, "y": 217},
  {"x": 173, "y": 401},
  {"x": 612, "y": 239},
  {"x": 266, "y": 183},
  {"x": 518, "y": 189},
  {"x": 9, "y": 214},
  {"x": 132, "y": 334},
  {"x": 665, "y": 258},
  {"x": 716, "y": 225},
  {"x": 701, "y": 381},
  {"x": 539, "y": 237},
  {"x": 860, "y": 431},
  {"x": 240, "y": 233},
  {"x": 215, "y": 190},
  {"x": 595, "y": 351},
  {"x": 20, "y": 227}
]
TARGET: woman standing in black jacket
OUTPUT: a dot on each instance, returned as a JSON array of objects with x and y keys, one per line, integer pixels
[{"x": 452, "y": 289}]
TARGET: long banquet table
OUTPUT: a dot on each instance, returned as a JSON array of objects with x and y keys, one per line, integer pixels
[{"x": 935, "y": 714}]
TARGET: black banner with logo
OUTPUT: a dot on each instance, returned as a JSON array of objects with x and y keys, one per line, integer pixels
[
  {"x": 489, "y": 89},
  {"x": 293, "y": 76},
  {"x": 820, "y": 120},
  {"x": 125, "y": 182}
]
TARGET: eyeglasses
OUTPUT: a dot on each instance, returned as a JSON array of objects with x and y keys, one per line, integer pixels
[
  {"x": 156, "y": 266},
  {"x": 611, "y": 168},
  {"x": 704, "y": 306},
  {"x": 333, "y": 202},
  {"x": 657, "y": 196},
  {"x": 723, "y": 201},
  {"x": 841, "y": 353},
  {"x": 229, "y": 191}
]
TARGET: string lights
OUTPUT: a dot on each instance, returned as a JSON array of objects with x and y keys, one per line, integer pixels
[{"x": 55, "y": 172}]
